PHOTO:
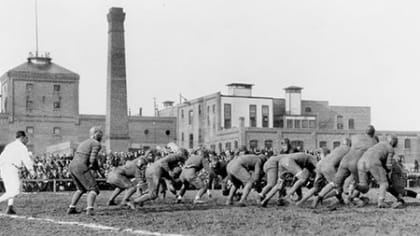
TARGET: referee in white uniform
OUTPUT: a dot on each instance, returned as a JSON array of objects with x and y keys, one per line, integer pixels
[{"x": 11, "y": 159}]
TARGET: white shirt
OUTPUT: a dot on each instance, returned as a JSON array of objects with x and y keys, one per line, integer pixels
[{"x": 16, "y": 154}]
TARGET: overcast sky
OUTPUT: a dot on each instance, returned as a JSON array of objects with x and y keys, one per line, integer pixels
[{"x": 355, "y": 53}]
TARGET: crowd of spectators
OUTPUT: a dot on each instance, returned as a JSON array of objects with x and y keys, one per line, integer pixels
[{"x": 54, "y": 169}]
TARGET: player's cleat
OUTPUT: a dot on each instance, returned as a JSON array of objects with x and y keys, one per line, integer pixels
[
  {"x": 263, "y": 203},
  {"x": 10, "y": 210},
  {"x": 111, "y": 203},
  {"x": 316, "y": 201},
  {"x": 360, "y": 202},
  {"x": 399, "y": 204},
  {"x": 198, "y": 201},
  {"x": 260, "y": 198},
  {"x": 72, "y": 211},
  {"x": 282, "y": 202},
  {"x": 178, "y": 199},
  {"x": 382, "y": 204},
  {"x": 90, "y": 212},
  {"x": 130, "y": 205},
  {"x": 241, "y": 204}
]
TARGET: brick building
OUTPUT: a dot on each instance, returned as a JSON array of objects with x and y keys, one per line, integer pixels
[
  {"x": 228, "y": 121},
  {"x": 42, "y": 98}
]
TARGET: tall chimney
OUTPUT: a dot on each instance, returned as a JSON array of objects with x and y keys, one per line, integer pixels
[{"x": 116, "y": 123}]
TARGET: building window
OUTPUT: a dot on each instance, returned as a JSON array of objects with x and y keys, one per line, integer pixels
[
  {"x": 199, "y": 109},
  {"x": 57, "y": 88},
  {"x": 220, "y": 147},
  {"x": 297, "y": 124},
  {"x": 182, "y": 114},
  {"x": 228, "y": 146},
  {"x": 265, "y": 114},
  {"x": 5, "y": 105},
  {"x": 182, "y": 137},
  {"x": 323, "y": 144},
  {"x": 56, "y": 130},
  {"x": 57, "y": 105},
  {"x": 29, "y": 104},
  {"x": 276, "y": 122},
  {"x": 213, "y": 108},
  {"x": 208, "y": 116},
  {"x": 340, "y": 122},
  {"x": 351, "y": 123},
  {"x": 191, "y": 141},
  {"x": 297, "y": 144},
  {"x": 146, "y": 132},
  {"x": 200, "y": 137},
  {"x": 43, "y": 99},
  {"x": 253, "y": 144},
  {"x": 281, "y": 123},
  {"x": 228, "y": 115},
  {"x": 336, "y": 144},
  {"x": 312, "y": 124},
  {"x": 305, "y": 124},
  {"x": 190, "y": 117},
  {"x": 289, "y": 124},
  {"x": 29, "y": 87},
  {"x": 308, "y": 109},
  {"x": 253, "y": 115},
  {"x": 236, "y": 144},
  {"x": 268, "y": 144},
  {"x": 213, "y": 147},
  {"x": 168, "y": 132},
  {"x": 30, "y": 130},
  {"x": 407, "y": 143}
]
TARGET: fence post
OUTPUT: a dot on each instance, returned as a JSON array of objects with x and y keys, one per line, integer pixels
[{"x": 54, "y": 186}]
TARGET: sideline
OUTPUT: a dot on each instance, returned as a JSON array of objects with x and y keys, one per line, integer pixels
[{"x": 90, "y": 226}]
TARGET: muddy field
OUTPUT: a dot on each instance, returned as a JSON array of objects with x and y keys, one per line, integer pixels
[{"x": 44, "y": 214}]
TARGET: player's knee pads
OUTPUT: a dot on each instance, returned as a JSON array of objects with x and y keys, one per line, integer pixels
[
  {"x": 81, "y": 191},
  {"x": 95, "y": 190},
  {"x": 153, "y": 195}
]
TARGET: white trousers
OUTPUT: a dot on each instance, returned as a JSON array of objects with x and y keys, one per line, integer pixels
[{"x": 11, "y": 181}]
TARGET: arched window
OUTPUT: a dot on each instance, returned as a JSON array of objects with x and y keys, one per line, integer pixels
[
  {"x": 407, "y": 143},
  {"x": 323, "y": 144},
  {"x": 297, "y": 144},
  {"x": 308, "y": 109},
  {"x": 351, "y": 123},
  {"x": 340, "y": 122},
  {"x": 236, "y": 144},
  {"x": 268, "y": 144},
  {"x": 253, "y": 144}
]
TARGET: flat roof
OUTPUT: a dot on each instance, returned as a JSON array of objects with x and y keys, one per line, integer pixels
[{"x": 240, "y": 85}]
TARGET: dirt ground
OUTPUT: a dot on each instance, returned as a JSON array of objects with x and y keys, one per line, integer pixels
[{"x": 211, "y": 218}]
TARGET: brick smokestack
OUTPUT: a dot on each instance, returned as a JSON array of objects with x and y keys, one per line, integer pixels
[{"x": 116, "y": 130}]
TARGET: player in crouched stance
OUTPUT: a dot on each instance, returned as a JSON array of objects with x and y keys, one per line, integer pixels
[
  {"x": 122, "y": 176},
  {"x": 190, "y": 175},
  {"x": 326, "y": 170},
  {"x": 376, "y": 161},
  {"x": 11, "y": 159},
  {"x": 81, "y": 168},
  {"x": 159, "y": 171},
  {"x": 301, "y": 165},
  {"x": 244, "y": 170}
]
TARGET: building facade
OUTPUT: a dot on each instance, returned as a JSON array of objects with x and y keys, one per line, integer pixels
[
  {"x": 227, "y": 121},
  {"x": 42, "y": 98}
]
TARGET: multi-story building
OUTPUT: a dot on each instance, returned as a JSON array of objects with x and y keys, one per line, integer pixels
[
  {"x": 228, "y": 121},
  {"x": 42, "y": 98}
]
